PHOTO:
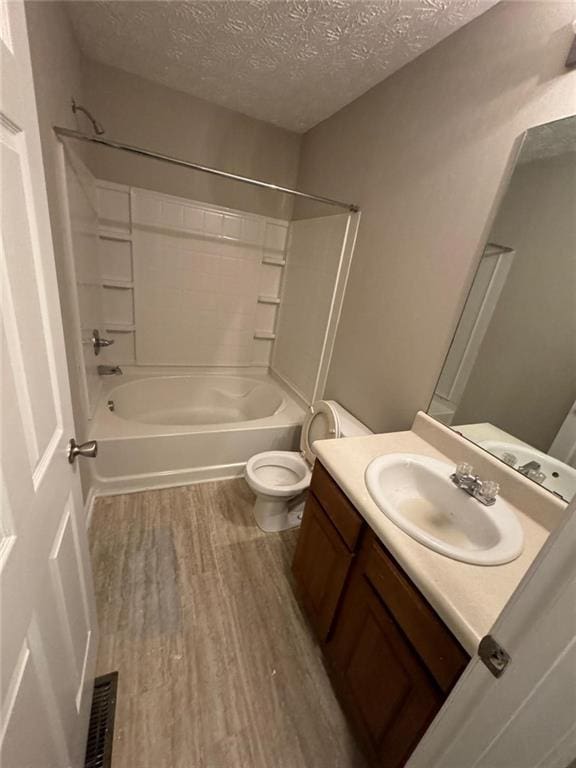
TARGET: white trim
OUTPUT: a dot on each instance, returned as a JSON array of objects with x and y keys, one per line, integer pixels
[
  {"x": 168, "y": 479},
  {"x": 338, "y": 294},
  {"x": 466, "y": 350}
]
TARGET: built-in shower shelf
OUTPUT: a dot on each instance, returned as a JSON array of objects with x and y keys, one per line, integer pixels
[
  {"x": 268, "y": 300},
  {"x": 264, "y": 335},
  {"x": 106, "y": 283},
  {"x": 120, "y": 327},
  {"x": 111, "y": 233},
  {"x": 274, "y": 262}
]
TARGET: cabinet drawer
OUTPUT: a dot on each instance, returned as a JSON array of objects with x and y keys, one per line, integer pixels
[
  {"x": 347, "y": 521},
  {"x": 320, "y": 567},
  {"x": 434, "y": 643}
]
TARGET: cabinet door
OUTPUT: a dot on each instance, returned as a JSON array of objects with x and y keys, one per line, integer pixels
[
  {"x": 321, "y": 564},
  {"x": 388, "y": 692}
]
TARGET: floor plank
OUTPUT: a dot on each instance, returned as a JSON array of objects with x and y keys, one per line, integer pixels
[{"x": 218, "y": 668}]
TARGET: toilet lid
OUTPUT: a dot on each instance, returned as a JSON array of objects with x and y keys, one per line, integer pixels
[{"x": 321, "y": 423}]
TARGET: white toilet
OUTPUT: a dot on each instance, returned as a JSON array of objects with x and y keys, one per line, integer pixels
[{"x": 278, "y": 478}]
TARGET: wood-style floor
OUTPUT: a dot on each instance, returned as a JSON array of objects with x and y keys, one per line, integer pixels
[{"x": 218, "y": 668}]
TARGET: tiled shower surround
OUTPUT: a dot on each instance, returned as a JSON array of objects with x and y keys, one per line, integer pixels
[
  {"x": 198, "y": 274},
  {"x": 206, "y": 282},
  {"x": 185, "y": 283}
]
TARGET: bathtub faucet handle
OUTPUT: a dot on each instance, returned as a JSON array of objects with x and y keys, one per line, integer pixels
[{"x": 98, "y": 342}]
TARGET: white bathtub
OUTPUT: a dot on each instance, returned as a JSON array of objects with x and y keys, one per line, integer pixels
[{"x": 157, "y": 428}]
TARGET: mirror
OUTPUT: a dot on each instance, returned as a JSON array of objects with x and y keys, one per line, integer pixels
[{"x": 509, "y": 379}]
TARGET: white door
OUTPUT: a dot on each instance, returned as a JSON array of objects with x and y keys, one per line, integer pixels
[
  {"x": 527, "y": 717},
  {"x": 47, "y": 631}
]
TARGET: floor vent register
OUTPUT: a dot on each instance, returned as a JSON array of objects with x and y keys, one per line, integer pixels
[{"x": 101, "y": 728}]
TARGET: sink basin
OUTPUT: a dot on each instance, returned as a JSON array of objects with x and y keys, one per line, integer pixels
[
  {"x": 560, "y": 478},
  {"x": 416, "y": 493}
]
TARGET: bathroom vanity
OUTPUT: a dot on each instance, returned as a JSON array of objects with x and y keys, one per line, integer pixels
[
  {"x": 397, "y": 622},
  {"x": 393, "y": 661}
]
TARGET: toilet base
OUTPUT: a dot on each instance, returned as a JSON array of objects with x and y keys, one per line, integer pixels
[{"x": 273, "y": 515}]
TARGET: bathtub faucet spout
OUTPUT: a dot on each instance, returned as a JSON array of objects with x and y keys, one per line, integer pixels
[{"x": 109, "y": 370}]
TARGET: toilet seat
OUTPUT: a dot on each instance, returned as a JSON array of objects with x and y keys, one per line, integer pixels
[
  {"x": 321, "y": 423},
  {"x": 278, "y": 473}
]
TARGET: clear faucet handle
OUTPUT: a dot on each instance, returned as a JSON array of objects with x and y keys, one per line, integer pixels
[
  {"x": 509, "y": 458},
  {"x": 489, "y": 490},
  {"x": 464, "y": 470}
]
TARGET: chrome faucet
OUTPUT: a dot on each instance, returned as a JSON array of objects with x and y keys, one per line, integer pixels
[
  {"x": 484, "y": 491},
  {"x": 530, "y": 466},
  {"x": 533, "y": 471},
  {"x": 109, "y": 370}
]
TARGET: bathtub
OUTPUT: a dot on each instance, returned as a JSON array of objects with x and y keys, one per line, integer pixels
[{"x": 157, "y": 428}]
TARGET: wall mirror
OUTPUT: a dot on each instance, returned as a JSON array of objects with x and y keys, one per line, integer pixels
[{"x": 509, "y": 379}]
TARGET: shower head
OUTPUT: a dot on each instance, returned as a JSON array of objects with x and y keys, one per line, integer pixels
[{"x": 96, "y": 126}]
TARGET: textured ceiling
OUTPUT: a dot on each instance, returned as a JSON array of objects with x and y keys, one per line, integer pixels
[{"x": 288, "y": 62}]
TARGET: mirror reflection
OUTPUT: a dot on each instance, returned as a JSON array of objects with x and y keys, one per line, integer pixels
[{"x": 509, "y": 379}]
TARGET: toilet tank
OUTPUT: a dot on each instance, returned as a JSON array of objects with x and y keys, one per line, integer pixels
[{"x": 349, "y": 424}]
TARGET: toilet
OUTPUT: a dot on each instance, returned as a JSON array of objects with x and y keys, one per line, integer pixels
[{"x": 279, "y": 478}]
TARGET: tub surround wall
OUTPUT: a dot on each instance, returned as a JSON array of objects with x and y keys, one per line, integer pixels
[
  {"x": 187, "y": 283},
  {"x": 116, "y": 261},
  {"x": 204, "y": 294},
  {"x": 80, "y": 214},
  {"x": 425, "y": 154},
  {"x": 310, "y": 280},
  {"x": 138, "y": 111}
]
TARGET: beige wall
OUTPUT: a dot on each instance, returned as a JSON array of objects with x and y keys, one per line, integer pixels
[
  {"x": 56, "y": 64},
  {"x": 137, "y": 111},
  {"x": 425, "y": 154},
  {"x": 524, "y": 378}
]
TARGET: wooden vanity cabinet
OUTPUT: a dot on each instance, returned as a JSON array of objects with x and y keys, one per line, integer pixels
[
  {"x": 328, "y": 539},
  {"x": 392, "y": 660}
]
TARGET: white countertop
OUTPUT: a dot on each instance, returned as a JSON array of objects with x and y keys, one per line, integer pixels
[{"x": 468, "y": 598}]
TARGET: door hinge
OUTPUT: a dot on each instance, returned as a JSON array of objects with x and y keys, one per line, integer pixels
[{"x": 493, "y": 655}]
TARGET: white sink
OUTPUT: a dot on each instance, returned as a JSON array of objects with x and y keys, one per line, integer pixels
[
  {"x": 416, "y": 493},
  {"x": 560, "y": 478}
]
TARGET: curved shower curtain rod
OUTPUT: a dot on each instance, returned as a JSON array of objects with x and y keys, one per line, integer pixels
[{"x": 94, "y": 139}]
